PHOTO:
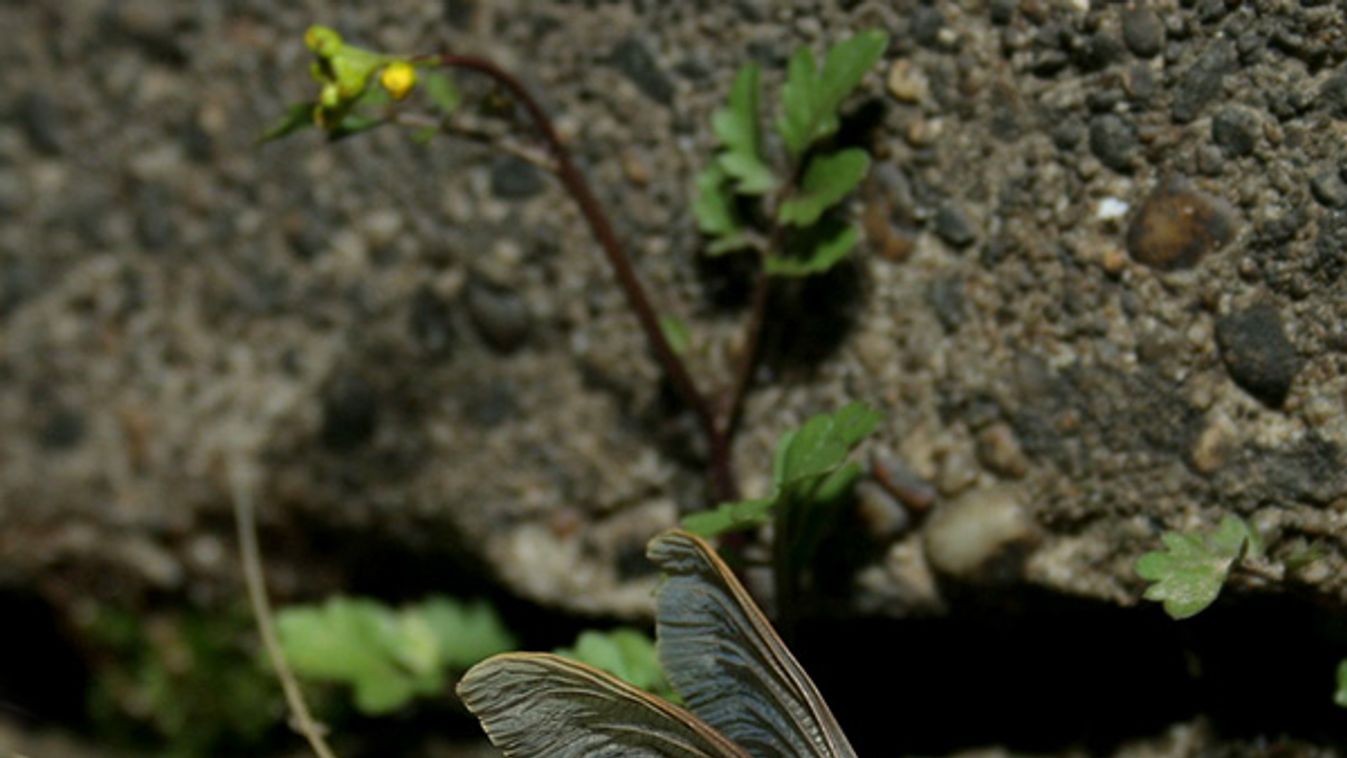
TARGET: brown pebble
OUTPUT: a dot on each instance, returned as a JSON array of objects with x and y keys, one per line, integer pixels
[
  {"x": 1000, "y": 452},
  {"x": 1212, "y": 447},
  {"x": 913, "y": 491},
  {"x": 891, "y": 244},
  {"x": 1176, "y": 227}
]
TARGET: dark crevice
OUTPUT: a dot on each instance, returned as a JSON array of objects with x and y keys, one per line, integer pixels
[
  {"x": 1033, "y": 671},
  {"x": 43, "y": 676}
]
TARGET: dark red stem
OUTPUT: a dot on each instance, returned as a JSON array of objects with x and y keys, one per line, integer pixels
[{"x": 722, "y": 482}]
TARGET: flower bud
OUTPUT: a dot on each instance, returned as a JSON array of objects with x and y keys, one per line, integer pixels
[
  {"x": 324, "y": 41},
  {"x": 398, "y": 78}
]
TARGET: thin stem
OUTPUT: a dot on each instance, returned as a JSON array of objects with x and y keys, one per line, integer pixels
[
  {"x": 732, "y": 402},
  {"x": 251, "y": 556},
  {"x": 719, "y": 465}
]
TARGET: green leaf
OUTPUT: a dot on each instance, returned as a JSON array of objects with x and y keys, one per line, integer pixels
[
  {"x": 1188, "y": 575},
  {"x": 714, "y": 203},
  {"x": 298, "y": 116},
  {"x": 443, "y": 94},
  {"x": 356, "y": 642},
  {"x": 627, "y": 654},
  {"x": 811, "y": 98},
  {"x": 1340, "y": 697},
  {"x": 675, "y": 333},
  {"x": 751, "y": 175},
  {"x": 737, "y": 125},
  {"x": 827, "y": 180},
  {"x": 737, "y": 128},
  {"x": 465, "y": 632},
  {"x": 388, "y": 657},
  {"x": 814, "y": 250},
  {"x": 823, "y": 443},
  {"x": 729, "y": 517}
]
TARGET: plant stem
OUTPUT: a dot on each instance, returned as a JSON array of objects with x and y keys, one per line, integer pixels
[
  {"x": 720, "y": 468},
  {"x": 251, "y": 556}
]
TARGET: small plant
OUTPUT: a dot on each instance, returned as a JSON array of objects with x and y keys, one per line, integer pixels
[
  {"x": 387, "y": 656},
  {"x": 783, "y": 210},
  {"x": 811, "y": 477},
  {"x": 1340, "y": 696},
  {"x": 745, "y": 693},
  {"x": 1188, "y": 575}
]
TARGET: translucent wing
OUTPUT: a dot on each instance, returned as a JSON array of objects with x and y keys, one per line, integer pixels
[
  {"x": 536, "y": 705},
  {"x": 722, "y": 656}
]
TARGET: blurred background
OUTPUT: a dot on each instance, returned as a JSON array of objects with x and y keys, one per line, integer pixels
[{"x": 1101, "y": 294}]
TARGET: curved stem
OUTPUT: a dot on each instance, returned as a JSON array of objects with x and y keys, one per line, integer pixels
[
  {"x": 719, "y": 466},
  {"x": 251, "y": 556}
]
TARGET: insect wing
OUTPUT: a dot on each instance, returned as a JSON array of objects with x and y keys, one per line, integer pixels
[
  {"x": 537, "y": 705},
  {"x": 731, "y": 669}
]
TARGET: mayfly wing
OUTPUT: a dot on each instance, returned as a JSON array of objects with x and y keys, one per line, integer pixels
[
  {"x": 536, "y": 705},
  {"x": 731, "y": 669}
]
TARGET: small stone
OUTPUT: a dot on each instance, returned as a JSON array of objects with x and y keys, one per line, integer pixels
[
  {"x": 925, "y": 24},
  {"x": 1210, "y": 161},
  {"x": 1068, "y": 133},
  {"x": 155, "y": 226},
  {"x": 1202, "y": 82},
  {"x": 1176, "y": 227},
  {"x": 945, "y": 296},
  {"x": 1257, "y": 353},
  {"x": 1333, "y": 94},
  {"x": 1235, "y": 130},
  {"x": 1100, "y": 50},
  {"x": 635, "y": 61},
  {"x": 1213, "y": 446},
  {"x": 954, "y": 227},
  {"x": 1143, "y": 33},
  {"x": 41, "y": 121},
  {"x": 1113, "y": 140},
  {"x": 999, "y": 450},
  {"x": 1329, "y": 189},
  {"x": 63, "y": 429},
  {"x": 500, "y": 315},
  {"x": 907, "y": 83},
  {"x": 460, "y": 13},
  {"x": 514, "y": 178},
  {"x": 879, "y": 512},
  {"x": 1003, "y": 11},
  {"x": 431, "y": 322},
  {"x": 965, "y": 536},
  {"x": 350, "y": 413}
]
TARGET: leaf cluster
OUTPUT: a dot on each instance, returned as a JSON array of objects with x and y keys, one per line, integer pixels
[
  {"x": 389, "y": 656},
  {"x": 1188, "y": 574},
  {"x": 814, "y": 181},
  {"x": 811, "y": 474}
]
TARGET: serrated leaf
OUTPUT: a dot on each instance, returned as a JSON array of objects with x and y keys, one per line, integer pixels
[
  {"x": 1188, "y": 575},
  {"x": 736, "y": 126},
  {"x": 729, "y": 517},
  {"x": 814, "y": 249},
  {"x": 352, "y": 124},
  {"x": 443, "y": 94},
  {"x": 752, "y": 176},
  {"x": 827, "y": 179},
  {"x": 466, "y": 633},
  {"x": 388, "y": 657},
  {"x": 349, "y": 641},
  {"x": 811, "y": 97},
  {"x": 714, "y": 203},
  {"x": 627, "y": 654},
  {"x": 298, "y": 116}
]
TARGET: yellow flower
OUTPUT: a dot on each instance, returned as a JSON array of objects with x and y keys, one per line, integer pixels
[{"x": 398, "y": 78}]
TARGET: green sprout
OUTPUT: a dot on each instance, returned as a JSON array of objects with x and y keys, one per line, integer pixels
[
  {"x": 798, "y": 194},
  {"x": 389, "y": 656},
  {"x": 1188, "y": 575}
]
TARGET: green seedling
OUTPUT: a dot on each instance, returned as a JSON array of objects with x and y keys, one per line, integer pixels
[
  {"x": 389, "y": 656},
  {"x": 1188, "y": 575},
  {"x": 745, "y": 694}
]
